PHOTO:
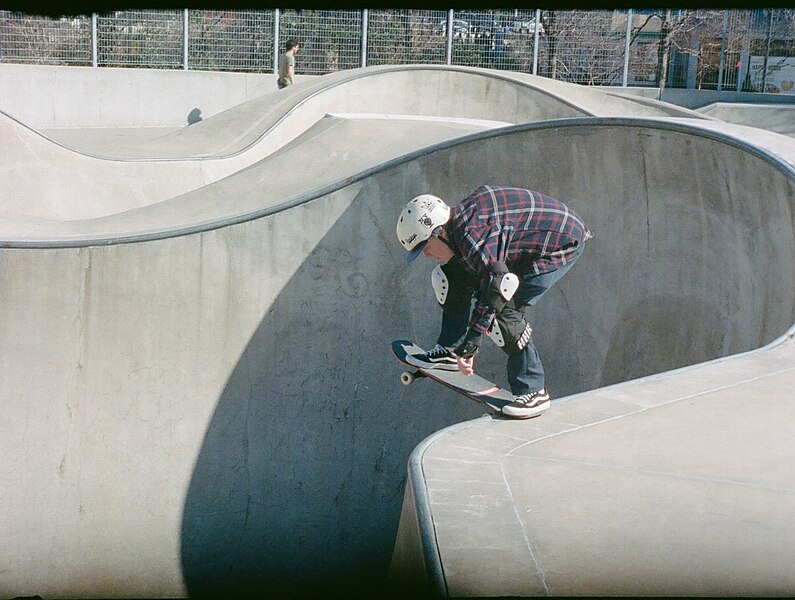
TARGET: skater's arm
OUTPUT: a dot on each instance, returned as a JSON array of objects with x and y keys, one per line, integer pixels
[{"x": 483, "y": 246}]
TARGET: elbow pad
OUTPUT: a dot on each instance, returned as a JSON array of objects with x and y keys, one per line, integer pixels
[
  {"x": 440, "y": 283},
  {"x": 452, "y": 285}
]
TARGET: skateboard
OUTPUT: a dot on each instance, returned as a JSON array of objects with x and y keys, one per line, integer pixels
[{"x": 474, "y": 387}]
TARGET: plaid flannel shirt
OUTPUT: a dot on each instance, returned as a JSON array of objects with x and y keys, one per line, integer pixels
[{"x": 526, "y": 230}]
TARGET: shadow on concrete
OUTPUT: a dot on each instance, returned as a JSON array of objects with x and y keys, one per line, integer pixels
[
  {"x": 194, "y": 116},
  {"x": 298, "y": 486}
]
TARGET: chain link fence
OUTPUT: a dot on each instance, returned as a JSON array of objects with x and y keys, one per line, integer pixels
[
  {"x": 41, "y": 40},
  {"x": 141, "y": 38},
  {"x": 743, "y": 50},
  {"x": 222, "y": 40},
  {"x": 331, "y": 40},
  {"x": 406, "y": 37}
]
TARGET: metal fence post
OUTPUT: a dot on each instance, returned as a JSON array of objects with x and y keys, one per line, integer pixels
[
  {"x": 94, "y": 53},
  {"x": 364, "y": 37},
  {"x": 767, "y": 50},
  {"x": 745, "y": 60},
  {"x": 276, "y": 41},
  {"x": 136, "y": 38},
  {"x": 626, "y": 48},
  {"x": 449, "y": 60},
  {"x": 722, "y": 65},
  {"x": 535, "y": 41},
  {"x": 185, "y": 39}
]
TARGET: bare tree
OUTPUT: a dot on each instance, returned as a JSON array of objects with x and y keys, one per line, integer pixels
[
  {"x": 688, "y": 32},
  {"x": 583, "y": 47}
]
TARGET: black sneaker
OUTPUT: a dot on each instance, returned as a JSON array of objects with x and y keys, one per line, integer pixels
[
  {"x": 527, "y": 405},
  {"x": 437, "y": 358}
]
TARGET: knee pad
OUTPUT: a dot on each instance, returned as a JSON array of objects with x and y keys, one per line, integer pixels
[
  {"x": 510, "y": 330},
  {"x": 452, "y": 285}
]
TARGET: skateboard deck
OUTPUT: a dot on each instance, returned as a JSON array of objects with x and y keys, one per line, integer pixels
[{"x": 472, "y": 386}]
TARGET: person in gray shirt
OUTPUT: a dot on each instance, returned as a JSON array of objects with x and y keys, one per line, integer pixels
[{"x": 287, "y": 64}]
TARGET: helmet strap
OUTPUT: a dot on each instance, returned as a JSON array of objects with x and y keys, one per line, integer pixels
[{"x": 443, "y": 238}]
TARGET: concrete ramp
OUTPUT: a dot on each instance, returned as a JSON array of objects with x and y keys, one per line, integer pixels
[
  {"x": 199, "y": 394},
  {"x": 45, "y": 180},
  {"x": 92, "y": 174},
  {"x": 427, "y": 90},
  {"x": 671, "y": 484},
  {"x": 218, "y": 400},
  {"x": 329, "y": 153},
  {"x": 772, "y": 117}
]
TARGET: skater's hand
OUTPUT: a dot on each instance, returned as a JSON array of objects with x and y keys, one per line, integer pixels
[
  {"x": 465, "y": 353},
  {"x": 466, "y": 365}
]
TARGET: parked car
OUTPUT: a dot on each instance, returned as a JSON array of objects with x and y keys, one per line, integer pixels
[
  {"x": 478, "y": 22},
  {"x": 526, "y": 26},
  {"x": 460, "y": 28}
]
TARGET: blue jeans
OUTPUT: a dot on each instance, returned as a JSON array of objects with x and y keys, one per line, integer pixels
[{"x": 525, "y": 371}]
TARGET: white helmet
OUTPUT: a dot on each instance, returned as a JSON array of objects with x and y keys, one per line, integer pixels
[{"x": 416, "y": 223}]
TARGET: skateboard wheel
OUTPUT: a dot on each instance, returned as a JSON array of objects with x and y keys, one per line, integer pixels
[{"x": 406, "y": 378}]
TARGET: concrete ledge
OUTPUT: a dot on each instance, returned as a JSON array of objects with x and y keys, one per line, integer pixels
[
  {"x": 772, "y": 117},
  {"x": 677, "y": 484},
  {"x": 695, "y": 99}
]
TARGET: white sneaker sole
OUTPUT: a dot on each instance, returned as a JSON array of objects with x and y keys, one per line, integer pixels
[{"x": 525, "y": 413}]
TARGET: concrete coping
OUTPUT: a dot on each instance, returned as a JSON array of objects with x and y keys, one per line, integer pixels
[
  {"x": 773, "y": 148},
  {"x": 486, "y": 443},
  {"x": 425, "y": 118}
]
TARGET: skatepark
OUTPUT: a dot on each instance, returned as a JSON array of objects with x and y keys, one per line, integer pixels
[{"x": 197, "y": 386}]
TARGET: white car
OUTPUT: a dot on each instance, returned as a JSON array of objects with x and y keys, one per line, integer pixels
[
  {"x": 460, "y": 28},
  {"x": 526, "y": 26}
]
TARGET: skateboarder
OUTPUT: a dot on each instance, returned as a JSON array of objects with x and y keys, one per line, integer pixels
[{"x": 506, "y": 246}]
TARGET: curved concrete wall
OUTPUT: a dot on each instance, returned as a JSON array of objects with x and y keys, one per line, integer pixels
[
  {"x": 117, "y": 177},
  {"x": 49, "y": 97},
  {"x": 515, "y": 490},
  {"x": 105, "y": 177},
  {"x": 214, "y": 411},
  {"x": 50, "y": 191},
  {"x": 45, "y": 96}
]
